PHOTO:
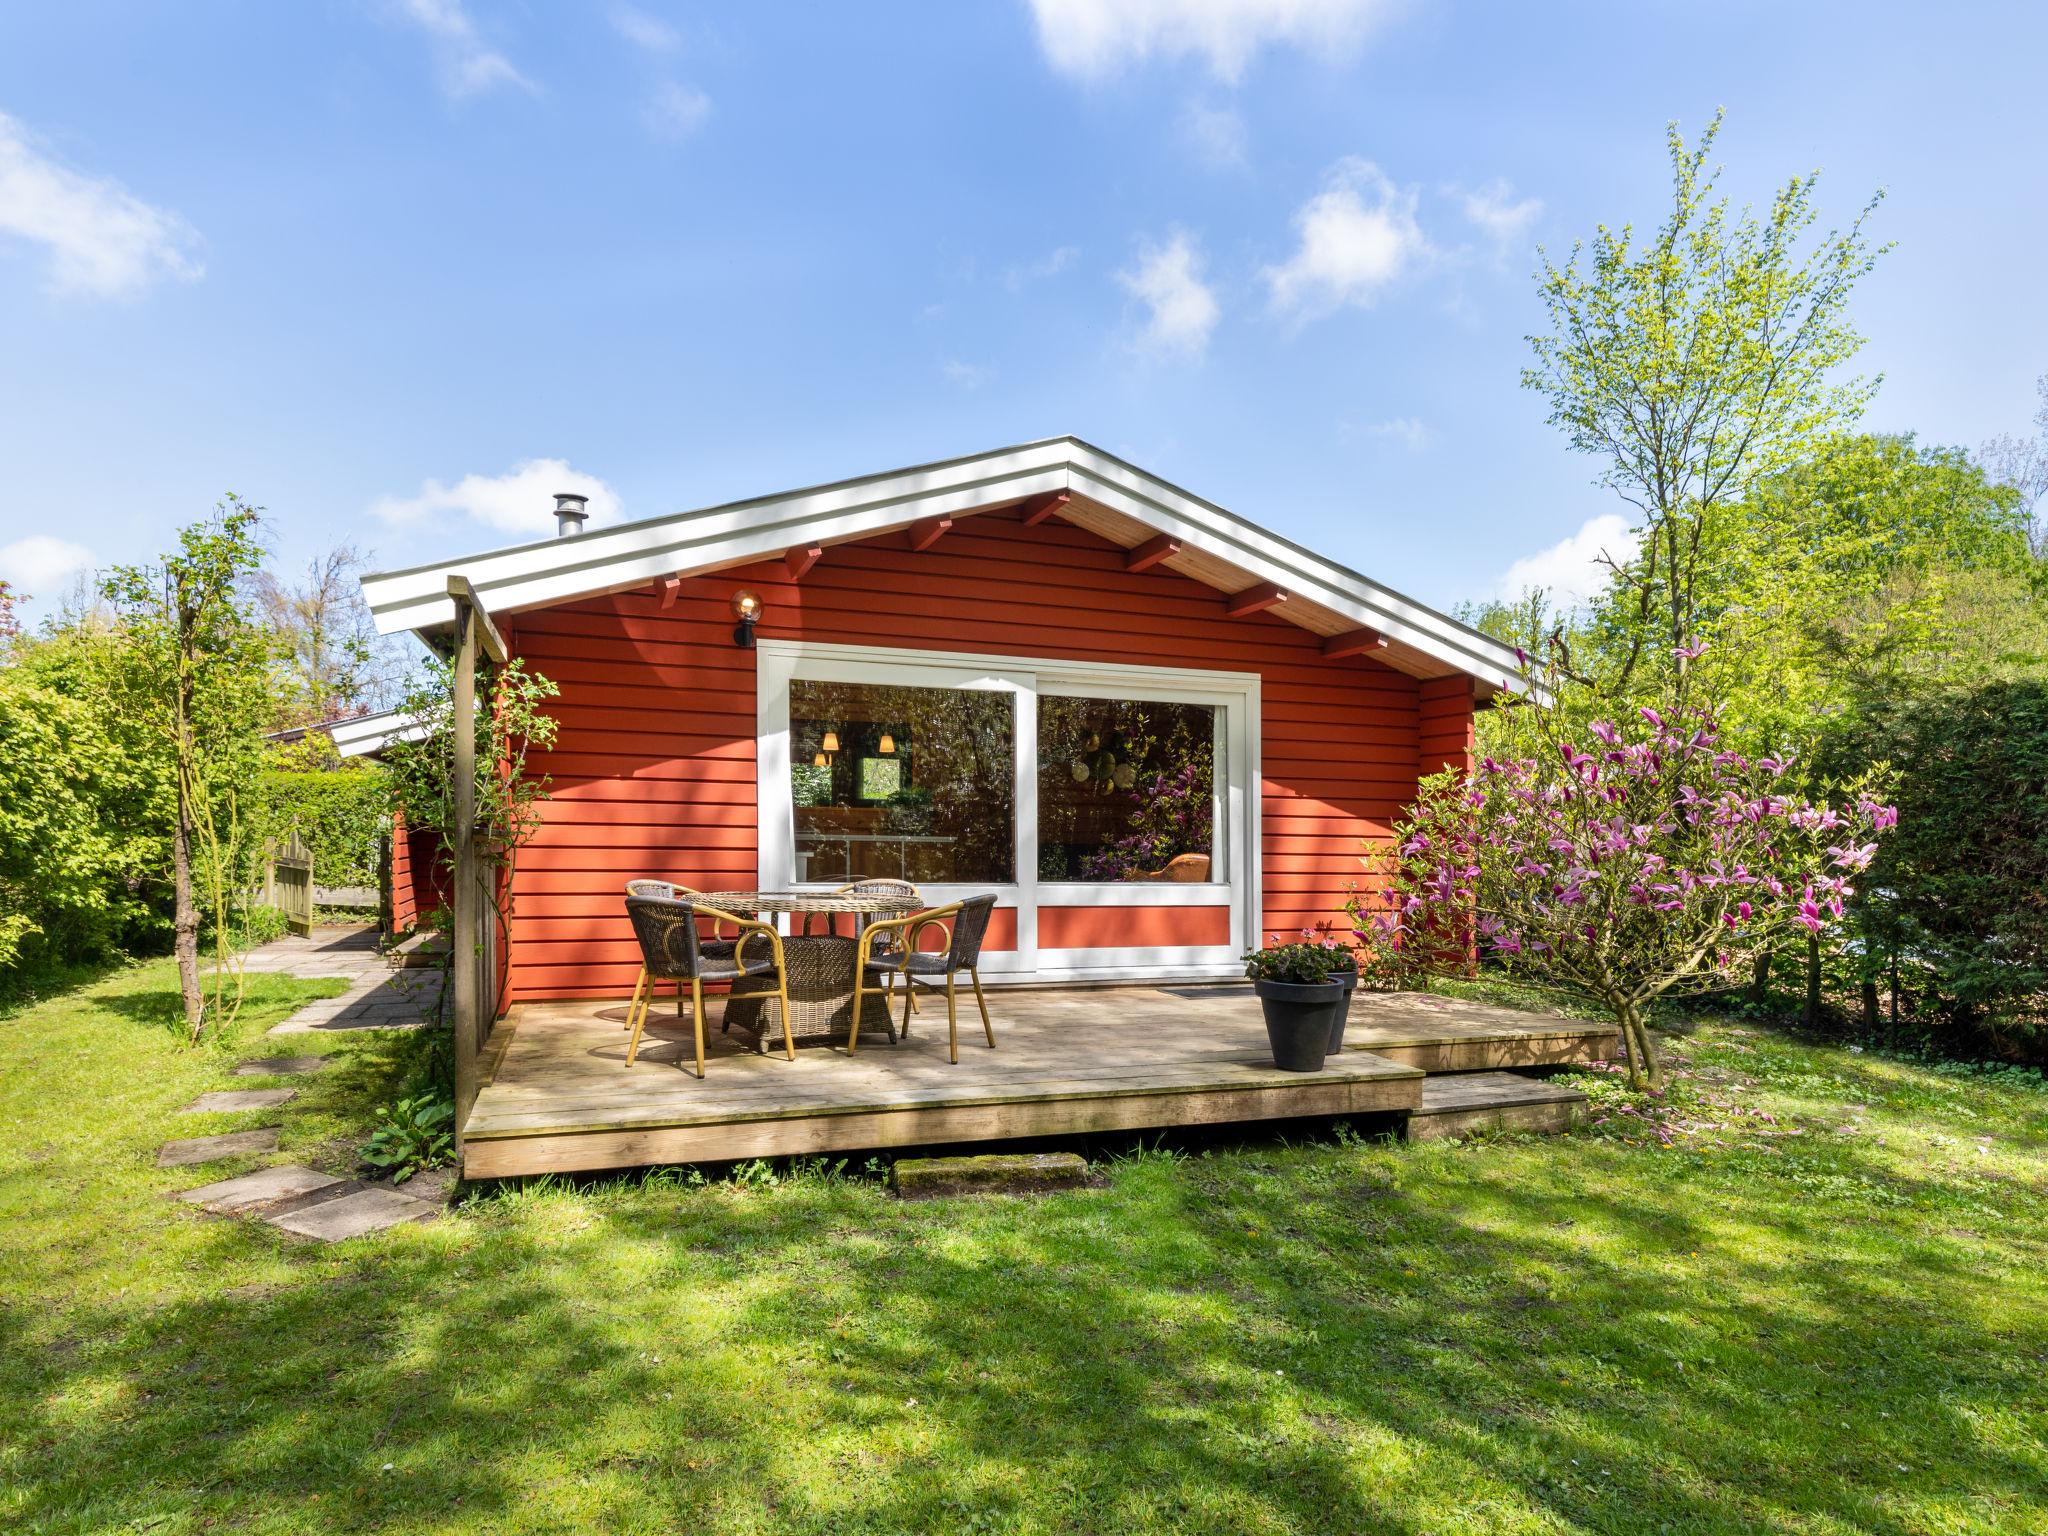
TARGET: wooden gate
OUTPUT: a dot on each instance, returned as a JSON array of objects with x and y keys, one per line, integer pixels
[{"x": 288, "y": 882}]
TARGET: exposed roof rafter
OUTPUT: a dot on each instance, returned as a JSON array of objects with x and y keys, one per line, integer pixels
[{"x": 1267, "y": 594}]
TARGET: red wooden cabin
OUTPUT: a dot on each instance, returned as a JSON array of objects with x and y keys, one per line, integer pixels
[{"x": 1159, "y": 732}]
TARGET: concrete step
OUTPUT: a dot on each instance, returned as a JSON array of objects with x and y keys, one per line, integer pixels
[{"x": 1460, "y": 1103}]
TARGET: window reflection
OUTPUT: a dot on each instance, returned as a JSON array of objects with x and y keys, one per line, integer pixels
[
  {"x": 1126, "y": 790},
  {"x": 910, "y": 783}
]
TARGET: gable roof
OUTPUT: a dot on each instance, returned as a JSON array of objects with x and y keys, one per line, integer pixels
[{"x": 1095, "y": 490}]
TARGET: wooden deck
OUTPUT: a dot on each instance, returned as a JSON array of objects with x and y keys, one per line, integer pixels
[{"x": 559, "y": 1097}]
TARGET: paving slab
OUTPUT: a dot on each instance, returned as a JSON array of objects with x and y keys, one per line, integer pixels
[
  {"x": 280, "y": 1066},
  {"x": 352, "y": 1215},
  {"x": 259, "y": 1188},
  {"x": 204, "y": 1149},
  {"x": 239, "y": 1098}
]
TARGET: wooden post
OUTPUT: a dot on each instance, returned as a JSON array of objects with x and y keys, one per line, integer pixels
[
  {"x": 462, "y": 943},
  {"x": 473, "y": 632}
]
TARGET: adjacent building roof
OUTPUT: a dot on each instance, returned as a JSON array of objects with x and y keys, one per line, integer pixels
[{"x": 1062, "y": 476}]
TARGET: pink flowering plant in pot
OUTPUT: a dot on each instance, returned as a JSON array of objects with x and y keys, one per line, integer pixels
[{"x": 1630, "y": 859}]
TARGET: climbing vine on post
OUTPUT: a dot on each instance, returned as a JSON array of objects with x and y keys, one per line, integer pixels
[{"x": 511, "y": 724}]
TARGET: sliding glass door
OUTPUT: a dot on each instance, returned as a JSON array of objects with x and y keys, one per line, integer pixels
[{"x": 1109, "y": 808}]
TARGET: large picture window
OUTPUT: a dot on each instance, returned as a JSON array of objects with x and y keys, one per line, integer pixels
[
  {"x": 1127, "y": 790},
  {"x": 909, "y": 783}
]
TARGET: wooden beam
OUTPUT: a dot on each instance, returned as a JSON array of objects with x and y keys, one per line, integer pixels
[
  {"x": 470, "y": 625},
  {"x": 928, "y": 531},
  {"x": 1359, "y": 642},
  {"x": 801, "y": 559},
  {"x": 671, "y": 588},
  {"x": 1151, "y": 552},
  {"x": 486, "y": 633},
  {"x": 1036, "y": 512},
  {"x": 1267, "y": 594}
]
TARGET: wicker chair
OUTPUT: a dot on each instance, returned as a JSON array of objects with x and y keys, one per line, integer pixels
[
  {"x": 665, "y": 890},
  {"x": 878, "y": 886},
  {"x": 671, "y": 950},
  {"x": 889, "y": 949}
]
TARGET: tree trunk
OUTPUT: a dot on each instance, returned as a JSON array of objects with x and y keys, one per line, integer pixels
[
  {"x": 185, "y": 913},
  {"x": 1871, "y": 1016},
  {"x": 1811, "y": 1017},
  {"x": 1644, "y": 1069},
  {"x": 1760, "y": 980}
]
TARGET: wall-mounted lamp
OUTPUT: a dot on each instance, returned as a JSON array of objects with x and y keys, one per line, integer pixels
[
  {"x": 746, "y": 607},
  {"x": 831, "y": 741},
  {"x": 821, "y": 761},
  {"x": 886, "y": 745}
]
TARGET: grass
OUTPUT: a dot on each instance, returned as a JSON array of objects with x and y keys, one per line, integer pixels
[{"x": 1823, "y": 1307}]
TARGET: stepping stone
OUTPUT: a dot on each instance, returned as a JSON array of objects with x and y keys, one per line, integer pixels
[
  {"x": 995, "y": 1173},
  {"x": 279, "y": 1066},
  {"x": 259, "y": 1188},
  {"x": 352, "y": 1215},
  {"x": 1460, "y": 1103},
  {"x": 205, "y": 1149},
  {"x": 239, "y": 1098}
]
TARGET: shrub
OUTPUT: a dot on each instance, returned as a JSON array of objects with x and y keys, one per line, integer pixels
[
  {"x": 1960, "y": 892},
  {"x": 341, "y": 813}
]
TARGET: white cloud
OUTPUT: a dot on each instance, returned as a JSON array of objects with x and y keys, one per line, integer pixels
[
  {"x": 650, "y": 34},
  {"x": 674, "y": 112},
  {"x": 1569, "y": 570},
  {"x": 101, "y": 239},
  {"x": 1215, "y": 134},
  {"x": 1093, "y": 38},
  {"x": 1357, "y": 236},
  {"x": 1411, "y": 432},
  {"x": 520, "y": 501},
  {"x": 1052, "y": 264},
  {"x": 1500, "y": 216},
  {"x": 469, "y": 66},
  {"x": 40, "y": 567},
  {"x": 967, "y": 376},
  {"x": 1183, "y": 310}
]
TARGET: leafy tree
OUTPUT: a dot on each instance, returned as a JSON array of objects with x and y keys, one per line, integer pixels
[
  {"x": 2022, "y": 463},
  {"x": 195, "y": 668},
  {"x": 330, "y": 660},
  {"x": 85, "y": 804},
  {"x": 1695, "y": 364}
]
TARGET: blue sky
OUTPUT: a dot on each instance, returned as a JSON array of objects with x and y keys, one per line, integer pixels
[{"x": 367, "y": 261}]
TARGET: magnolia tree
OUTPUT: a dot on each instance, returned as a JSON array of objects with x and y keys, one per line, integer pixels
[{"x": 1627, "y": 860}]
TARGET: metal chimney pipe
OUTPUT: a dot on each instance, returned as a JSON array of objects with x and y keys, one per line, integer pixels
[{"x": 570, "y": 511}]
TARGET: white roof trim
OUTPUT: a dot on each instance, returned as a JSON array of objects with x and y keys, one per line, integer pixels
[
  {"x": 367, "y": 735},
  {"x": 636, "y": 554}
]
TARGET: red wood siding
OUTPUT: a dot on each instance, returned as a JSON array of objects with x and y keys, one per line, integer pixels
[
  {"x": 1144, "y": 927},
  {"x": 1446, "y": 724},
  {"x": 418, "y": 882},
  {"x": 653, "y": 773}
]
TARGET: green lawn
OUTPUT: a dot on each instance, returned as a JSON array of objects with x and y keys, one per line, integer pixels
[{"x": 1823, "y": 1308}]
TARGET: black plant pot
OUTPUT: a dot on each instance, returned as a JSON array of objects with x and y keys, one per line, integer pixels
[
  {"x": 1298, "y": 1021},
  {"x": 1348, "y": 980}
]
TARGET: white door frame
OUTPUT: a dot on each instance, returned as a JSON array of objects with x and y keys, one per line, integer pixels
[{"x": 1236, "y": 844}]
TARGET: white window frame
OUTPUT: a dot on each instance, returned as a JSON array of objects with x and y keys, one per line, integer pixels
[{"x": 1235, "y": 847}]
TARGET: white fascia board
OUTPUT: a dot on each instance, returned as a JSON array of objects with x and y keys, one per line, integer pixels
[
  {"x": 637, "y": 554},
  {"x": 615, "y": 559},
  {"x": 1208, "y": 527},
  {"x": 367, "y": 735}
]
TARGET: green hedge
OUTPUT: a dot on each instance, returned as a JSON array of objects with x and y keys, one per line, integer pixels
[
  {"x": 341, "y": 813},
  {"x": 1960, "y": 888}
]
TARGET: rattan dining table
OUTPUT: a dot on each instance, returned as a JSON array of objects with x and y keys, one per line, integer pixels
[{"x": 821, "y": 966}]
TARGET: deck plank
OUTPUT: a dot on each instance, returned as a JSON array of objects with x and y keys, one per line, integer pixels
[{"x": 560, "y": 1095}]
